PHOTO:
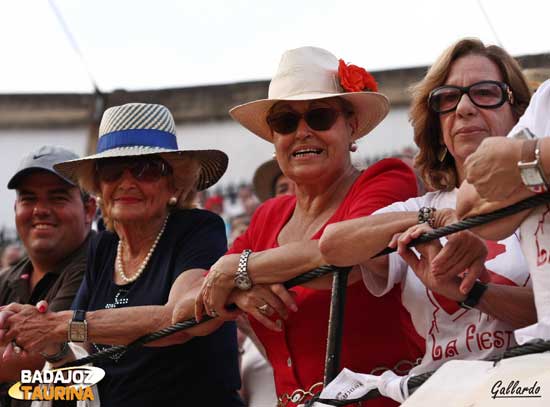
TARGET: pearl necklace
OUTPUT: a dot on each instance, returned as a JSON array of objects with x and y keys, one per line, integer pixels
[{"x": 119, "y": 265}]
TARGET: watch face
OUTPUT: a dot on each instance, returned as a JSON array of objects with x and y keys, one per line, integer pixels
[
  {"x": 77, "y": 332},
  {"x": 531, "y": 177},
  {"x": 243, "y": 283}
]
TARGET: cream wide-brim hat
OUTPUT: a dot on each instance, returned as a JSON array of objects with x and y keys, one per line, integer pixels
[
  {"x": 310, "y": 73},
  {"x": 141, "y": 129}
]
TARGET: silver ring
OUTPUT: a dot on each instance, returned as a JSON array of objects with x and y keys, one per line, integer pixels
[
  {"x": 264, "y": 309},
  {"x": 16, "y": 348},
  {"x": 213, "y": 313}
]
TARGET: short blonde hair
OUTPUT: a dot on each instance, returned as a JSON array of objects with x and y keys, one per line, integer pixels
[{"x": 442, "y": 175}]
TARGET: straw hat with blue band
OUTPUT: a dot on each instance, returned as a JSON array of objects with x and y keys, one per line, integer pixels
[{"x": 139, "y": 129}]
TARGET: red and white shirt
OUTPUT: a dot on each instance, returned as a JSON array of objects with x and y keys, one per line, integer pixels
[
  {"x": 451, "y": 332},
  {"x": 535, "y": 230}
]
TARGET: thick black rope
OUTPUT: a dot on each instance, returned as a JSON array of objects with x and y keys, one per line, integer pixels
[
  {"x": 416, "y": 381},
  {"x": 474, "y": 221},
  {"x": 321, "y": 271},
  {"x": 180, "y": 326}
]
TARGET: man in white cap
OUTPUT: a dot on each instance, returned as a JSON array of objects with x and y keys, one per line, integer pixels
[{"x": 53, "y": 219}]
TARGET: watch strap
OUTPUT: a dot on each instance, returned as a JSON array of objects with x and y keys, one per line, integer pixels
[
  {"x": 79, "y": 315},
  {"x": 473, "y": 297},
  {"x": 242, "y": 279},
  {"x": 528, "y": 148}
]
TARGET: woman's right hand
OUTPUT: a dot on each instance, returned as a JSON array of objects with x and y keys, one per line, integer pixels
[
  {"x": 446, "y": 285},
  {"x": 263, "y": 301}
]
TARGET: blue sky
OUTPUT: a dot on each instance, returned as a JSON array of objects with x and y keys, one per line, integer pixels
[{"x": 136, "y": 44}]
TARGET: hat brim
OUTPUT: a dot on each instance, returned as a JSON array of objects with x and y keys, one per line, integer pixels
[
  {"x": 370, "y": 109},
  {"x": 18, "y": 177},
  {"x": 212, "y": 163},
  {"x": 264, "y": 178}
]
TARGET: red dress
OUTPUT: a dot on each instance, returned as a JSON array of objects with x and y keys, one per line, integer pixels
[{"x": 378, "y": 332}]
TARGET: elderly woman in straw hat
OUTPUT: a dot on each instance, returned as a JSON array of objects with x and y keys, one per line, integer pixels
[
  {"x": 317, "y": 108},
  {"x": 155, "y": 252}
]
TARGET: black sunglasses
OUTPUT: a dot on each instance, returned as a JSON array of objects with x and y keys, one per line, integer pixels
[
  {"x": 484, "y": 94},
  {"x": 147, "y": 170},
  {"x": 319, "y": 119}
]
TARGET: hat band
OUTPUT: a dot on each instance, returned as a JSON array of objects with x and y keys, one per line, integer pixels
[{"x": 137, "y": 137}]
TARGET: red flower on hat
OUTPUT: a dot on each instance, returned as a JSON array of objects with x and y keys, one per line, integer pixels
[{"x": 353, "y": 78}]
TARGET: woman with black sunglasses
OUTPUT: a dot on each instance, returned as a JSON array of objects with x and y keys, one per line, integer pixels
[
  {"x": 154, "y": 253},
  {"x": 470, "y": 93},
  {"x": 316, "y": 110}
]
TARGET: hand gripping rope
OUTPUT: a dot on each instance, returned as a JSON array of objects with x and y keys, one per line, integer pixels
[{"x": 336, "y": 315}]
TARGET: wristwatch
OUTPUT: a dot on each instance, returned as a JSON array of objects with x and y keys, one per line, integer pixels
[
  {"x": 78, "y": 328},
  {"x": 530, "y": 167},
  {"x": 474, "y": 295},
  {"x": 242, "y": 279}
]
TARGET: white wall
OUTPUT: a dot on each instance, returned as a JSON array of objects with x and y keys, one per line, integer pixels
[{"x": 245, "y": 150}]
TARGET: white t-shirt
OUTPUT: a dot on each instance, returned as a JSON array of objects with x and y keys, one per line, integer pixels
[
  {"x": 537, "y": 115},
  {"x": 535, "y": 242},
  {"x": 450, "y": 331}
]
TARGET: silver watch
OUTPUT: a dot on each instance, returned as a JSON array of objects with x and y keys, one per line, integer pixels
[
  {"x": 242, "y": 279},
  {"x": 531, "y": 172}
]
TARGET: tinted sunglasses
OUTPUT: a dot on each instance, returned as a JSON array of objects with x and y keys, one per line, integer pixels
[
  {"x": 147, "y": 170},
  {"x": 484, "y": 94},
  {"x": 319, "y": 119}
]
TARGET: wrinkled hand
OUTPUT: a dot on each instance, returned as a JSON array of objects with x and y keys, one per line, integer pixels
[
  {"x": 217, "y": 287},
  {"x": 184, "y": 310},
  {"x": 17, "y": 326},
  {"x": 447, "y": 283},
  {"x": 264, "y": 301},
  {"x": 464, "y": 255},
  {"x": 493, "y": 168}
]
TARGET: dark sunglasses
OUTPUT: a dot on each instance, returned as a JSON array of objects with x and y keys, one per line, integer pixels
[
  {"x": 484, "y": 94},
  {"x": 147, "y": 170},
  {"x": 319, "y": 119}
]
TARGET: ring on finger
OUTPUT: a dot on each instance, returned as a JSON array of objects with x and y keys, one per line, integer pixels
[
  {"x": 16, "y": 348},
  {"x": 264, "y": 309},
  {"x": 213, "y": 313}
]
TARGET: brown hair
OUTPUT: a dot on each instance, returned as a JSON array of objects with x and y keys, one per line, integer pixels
[{"x": 442, "y": 175}]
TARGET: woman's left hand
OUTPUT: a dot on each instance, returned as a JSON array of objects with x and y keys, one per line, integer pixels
[
  {"x": 27, "y": 327},
  {"x": 216, "y": 288},
  {"x": 263, "y": 301}
]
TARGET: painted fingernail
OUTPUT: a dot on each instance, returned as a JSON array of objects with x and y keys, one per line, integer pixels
[{"x": 41, "y": 308}]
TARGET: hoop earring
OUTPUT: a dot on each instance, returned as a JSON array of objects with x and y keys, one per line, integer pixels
[
  {"x": 353, "y": 147},
  {"x": 274, "y": 155},
  {"x": 98, "y": 200},
  {"x": 442, "y": 154},
  {"x": 172, "y": 201}
]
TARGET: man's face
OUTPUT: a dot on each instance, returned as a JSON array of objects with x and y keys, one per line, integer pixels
[{"x": 51, "y": 219}]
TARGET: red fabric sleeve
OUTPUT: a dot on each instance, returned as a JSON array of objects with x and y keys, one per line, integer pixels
[{"x": 386, "y": 182}]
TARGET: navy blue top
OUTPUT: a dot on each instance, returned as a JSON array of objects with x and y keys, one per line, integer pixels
[{"x": 203, "y": 371}]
